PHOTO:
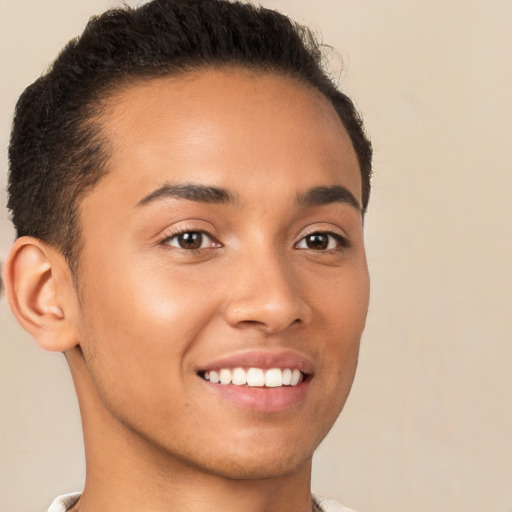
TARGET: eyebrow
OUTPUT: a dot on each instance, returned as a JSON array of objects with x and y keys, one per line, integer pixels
[
  {"x": 192, "y": 192},
  {"x": 318, "y": 196}
]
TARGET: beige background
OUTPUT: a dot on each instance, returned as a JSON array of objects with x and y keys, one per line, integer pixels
[{"x": 429, "y": 423}]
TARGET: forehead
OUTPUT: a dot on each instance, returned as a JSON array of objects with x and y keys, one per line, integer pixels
[{"x": 226, "y": 126}]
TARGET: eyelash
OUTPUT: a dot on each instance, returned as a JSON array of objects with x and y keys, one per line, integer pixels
[
  {"x": 340, "y": 242},
  {"x": 166, "y": 241}
]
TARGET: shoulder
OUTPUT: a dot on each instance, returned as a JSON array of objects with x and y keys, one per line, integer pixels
[{"x": 329, "y": 505}]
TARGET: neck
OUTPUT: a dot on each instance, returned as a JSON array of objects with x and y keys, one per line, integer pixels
[{"x": 126, "y": 471}]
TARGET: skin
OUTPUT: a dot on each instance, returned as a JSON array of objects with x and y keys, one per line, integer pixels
[{"x": 148, "y": 313}]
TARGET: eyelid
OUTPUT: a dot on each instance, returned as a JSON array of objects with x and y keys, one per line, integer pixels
[
  {"x": 330, "y": 230},
  {"x": 342, "y": 242},
  {"x": 192, "y": 227},
  {"x": 213, "y": 243}
]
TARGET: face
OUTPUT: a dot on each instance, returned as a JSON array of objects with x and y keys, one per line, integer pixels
[{"x": 224, "y": 243}]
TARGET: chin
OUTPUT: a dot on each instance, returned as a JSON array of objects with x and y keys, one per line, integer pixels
[
  {"x": 258, "y": 458},
  {"x": 256, "y": 468}
]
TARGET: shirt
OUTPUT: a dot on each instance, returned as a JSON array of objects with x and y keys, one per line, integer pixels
[{"x": 66, "y": 501}]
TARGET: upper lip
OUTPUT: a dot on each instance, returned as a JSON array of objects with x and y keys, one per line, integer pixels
[{"x": 264, "y": 359}]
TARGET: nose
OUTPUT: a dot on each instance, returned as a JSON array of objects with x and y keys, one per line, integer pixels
[{"x": 265, "y": 295}]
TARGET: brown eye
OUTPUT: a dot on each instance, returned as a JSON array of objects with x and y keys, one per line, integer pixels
[
  {"x": 318, "y": 241},
  {"x": 190, "y": 240},
  {"x": 322, "y": 242}
]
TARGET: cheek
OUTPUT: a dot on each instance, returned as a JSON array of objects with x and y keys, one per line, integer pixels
[
  {"x": 132, "y": 299},
  {"x": 138, "y": 326},
  {"x": 341, "y": 301},
  {"x": 341, "y": 315}
]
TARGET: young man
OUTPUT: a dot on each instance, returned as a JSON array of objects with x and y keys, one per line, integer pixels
[{"x": 188, "y": 188}]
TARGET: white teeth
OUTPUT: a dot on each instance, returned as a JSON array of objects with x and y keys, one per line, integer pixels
[
  {"x": 255, "y": 377},
  {"x": 287, "y": 377},
  {"x": 225, "y": 376},
  {"x": 239, "y": 377},
  {"x": 273, "y": 378}
]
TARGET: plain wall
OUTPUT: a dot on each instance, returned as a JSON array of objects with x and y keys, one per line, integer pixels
[{"x": 429, "y": 423}]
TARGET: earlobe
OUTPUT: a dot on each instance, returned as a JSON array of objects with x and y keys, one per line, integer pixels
[{"x": 33, "y": 281}]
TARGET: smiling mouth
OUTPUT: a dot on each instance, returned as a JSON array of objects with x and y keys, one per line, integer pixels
[{"x": 255, "y": 377}]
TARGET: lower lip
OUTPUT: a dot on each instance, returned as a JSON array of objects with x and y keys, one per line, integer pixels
[{"x": 262, "y": 399}]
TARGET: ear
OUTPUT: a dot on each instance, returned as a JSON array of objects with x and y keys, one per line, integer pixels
[{"x": 41, "y": 293}]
